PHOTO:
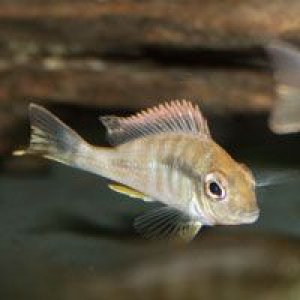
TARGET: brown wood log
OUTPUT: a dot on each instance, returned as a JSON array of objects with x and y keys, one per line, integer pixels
[
  {"x": 133, "y": 85},
  {"x": 127, "y": 27}
]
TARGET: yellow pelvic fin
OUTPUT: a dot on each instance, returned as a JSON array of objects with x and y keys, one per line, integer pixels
[
  {"x": 122, "y": 189},
  {"x": 19, "y": 152}
]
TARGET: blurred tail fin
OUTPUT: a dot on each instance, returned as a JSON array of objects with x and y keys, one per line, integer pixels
[{"x": 51, "y": 138}]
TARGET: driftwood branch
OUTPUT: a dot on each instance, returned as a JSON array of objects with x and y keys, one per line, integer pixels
[
  {"x": 127, "y": 27},
  {"x": 133, "y": 85}
]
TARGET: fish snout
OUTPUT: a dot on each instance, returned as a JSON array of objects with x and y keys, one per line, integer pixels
[
  {"x": 248, "y": 210},
  {"x": 251, "y": 216}
]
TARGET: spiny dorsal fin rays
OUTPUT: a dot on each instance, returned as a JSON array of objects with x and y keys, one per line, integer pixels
[
  {"x": 175, "y": 116},
  {"x": 166, "y": 223}
]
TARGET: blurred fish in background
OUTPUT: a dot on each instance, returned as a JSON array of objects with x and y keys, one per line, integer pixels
[{"x": 285, "y": 114}]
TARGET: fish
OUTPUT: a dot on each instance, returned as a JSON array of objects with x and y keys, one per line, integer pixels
[{"x": 163, "y": 154}]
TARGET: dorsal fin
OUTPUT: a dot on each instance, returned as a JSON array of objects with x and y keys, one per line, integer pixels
[{"x": 176, "y": 116}]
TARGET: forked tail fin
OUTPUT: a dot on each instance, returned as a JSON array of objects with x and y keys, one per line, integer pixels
[{"x": 53, "y": 139}]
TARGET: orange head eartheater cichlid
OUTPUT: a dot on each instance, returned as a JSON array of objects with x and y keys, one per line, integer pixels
[{"x": 163, "y": 154}]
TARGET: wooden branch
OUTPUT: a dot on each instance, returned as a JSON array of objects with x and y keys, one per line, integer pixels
[
  {"x": 133, "y": 85},
  {"x": 128, "y": 26}
]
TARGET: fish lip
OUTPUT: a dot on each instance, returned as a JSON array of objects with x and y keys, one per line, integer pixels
[
  {"x": 244, "y": 218},
  {"x": 251, "y": 217}
]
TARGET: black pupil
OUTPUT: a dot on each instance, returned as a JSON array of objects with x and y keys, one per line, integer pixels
[{"x": 215, "y": 189}]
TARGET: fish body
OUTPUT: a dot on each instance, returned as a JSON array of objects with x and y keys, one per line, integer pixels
[{"x": 164, "y": 154}]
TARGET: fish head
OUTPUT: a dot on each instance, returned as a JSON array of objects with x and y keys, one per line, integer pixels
[{"x": 228, "y": 191}]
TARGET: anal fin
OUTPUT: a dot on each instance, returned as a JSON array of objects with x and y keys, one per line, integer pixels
[
  {"x": 168, "y": 224},
  {"x": 19, "y": 152}
]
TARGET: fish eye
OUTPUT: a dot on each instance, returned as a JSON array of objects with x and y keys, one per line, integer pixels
[{"x": 214, "y": 187}]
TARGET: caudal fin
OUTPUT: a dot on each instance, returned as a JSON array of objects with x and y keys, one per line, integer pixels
[{"x": 51, "y": 138}]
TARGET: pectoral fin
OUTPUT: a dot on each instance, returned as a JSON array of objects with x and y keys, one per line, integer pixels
[
  {"x": 167, "y": 223},
  {"x": 122, "y": 189}
]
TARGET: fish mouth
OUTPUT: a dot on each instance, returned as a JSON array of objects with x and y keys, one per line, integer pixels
[
  {"x": 244, "y": 218},
  {"x": 250, "y": 217}
]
